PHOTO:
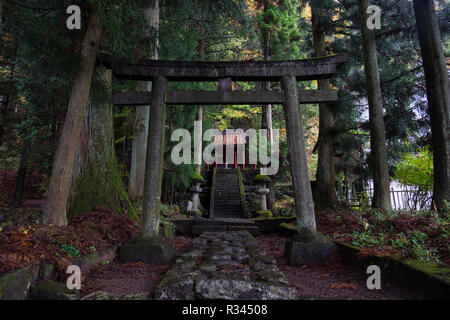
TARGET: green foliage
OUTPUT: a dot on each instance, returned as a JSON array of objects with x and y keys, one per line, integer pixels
[
  {"x": 365, "y": 239},
  {"x": 416, "y": 169},
  {"x": 70, "y": 250}
]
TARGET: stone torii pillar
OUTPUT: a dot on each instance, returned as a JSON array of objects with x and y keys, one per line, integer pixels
[
  {"x": 307, "y": 246},
  {"x": 149, "y": 247}
]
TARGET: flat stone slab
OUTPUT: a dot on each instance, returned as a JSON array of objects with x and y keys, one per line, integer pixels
[
  {"x": 242, "y": 290},
  {"x": 227, "y": 265},
  {"x": 235, "y": 221},
  {"x": 309, "y": 249},
  {"x": 153, "y": 251},
  {"x": 199, "y": 229}
]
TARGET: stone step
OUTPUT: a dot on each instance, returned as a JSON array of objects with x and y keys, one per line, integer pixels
[
  {"x": 225, "y": 193},
  {"x": 228, "y": 213},
  {"x": 253, "y": 230},
  {"x": 228, "y": 210},
  {"x": 228, "y": 206},
  {"x": 235, "y": 221},
  {"x": 227, "y": 202},
  {"x": 199, "y": 229},
  {"x": 236, "y": 213}
]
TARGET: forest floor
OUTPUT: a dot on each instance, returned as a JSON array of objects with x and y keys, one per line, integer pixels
[
  {"x": 332, "y": 281},
  {"x": 422, "y": 236}
]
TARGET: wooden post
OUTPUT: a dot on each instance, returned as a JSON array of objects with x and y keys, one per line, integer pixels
[
  {"x": 154, "y": 159},
  {"x": 306, "y": 222}
]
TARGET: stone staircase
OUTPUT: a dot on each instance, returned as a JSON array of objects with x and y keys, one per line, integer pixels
[
  {"x": 224, "y": 224},
  {"x": 226, "y": 201}
]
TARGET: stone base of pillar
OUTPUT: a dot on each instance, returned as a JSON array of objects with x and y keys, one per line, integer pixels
[
  {"x": 147, "y": 250},
  {"x": 312, "y": 249}
]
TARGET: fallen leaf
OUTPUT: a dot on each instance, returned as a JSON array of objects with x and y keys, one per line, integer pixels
[{"x": 344, "y": 286}]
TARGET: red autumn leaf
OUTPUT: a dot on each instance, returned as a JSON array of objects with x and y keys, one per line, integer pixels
[{"x": 344, "y": 286}]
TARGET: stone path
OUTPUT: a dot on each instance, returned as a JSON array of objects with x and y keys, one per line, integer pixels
[{"x": 225, "y": 265}]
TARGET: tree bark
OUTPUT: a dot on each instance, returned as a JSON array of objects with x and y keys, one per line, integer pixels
[
  {"x": 266, "y": 121},
  {"x": 381, "y": 196},
  {"x": 438, "y": 94},
  {"x": 98, "y": 181},
  {"x": 137, "y": 172},
  {"x": 61, "y": 178},
  {"x": 22, "y": 173},
  {"x": 7, "y": 98},
  {"x": 306, "y": 221},
  {"x": 154, "y": 160},
  {"x": 325, "y": 195},
  {"x": 1, "y": 13}
]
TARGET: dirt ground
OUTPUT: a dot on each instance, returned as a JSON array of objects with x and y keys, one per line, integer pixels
[
  {"x": 130, "y": 278},
  {"x": 334, "y": 280},
  {"x": 331, "y": 281}
]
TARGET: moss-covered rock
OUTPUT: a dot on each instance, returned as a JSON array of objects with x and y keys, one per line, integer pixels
[
  {"x": 101, "y": 295},
  {"x": 264, "y": 214},
  {"x": 197, "y": 213},
  {"x": 15, "y": 285},
  {"x": 149, "y": 250},
  {"x": 196, "y": 177},
  {"x": 261, "y": 178},
  {"x": 310, "y": 248},
  {"x": 51, "y": 290}
]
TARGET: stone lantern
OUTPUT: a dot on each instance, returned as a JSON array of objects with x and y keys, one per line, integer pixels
[
  {"x": 260, "y": 180},
  {"x": 196, "y": 181}
]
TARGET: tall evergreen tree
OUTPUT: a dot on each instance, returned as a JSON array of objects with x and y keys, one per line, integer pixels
[
  {"x": 325, "y": 194},
  {"x": 61, "y": 178},
  {"x": 137, "y": 171},
  {"x": 438, "y": 94},
  {"x": 381, "y": 195}
]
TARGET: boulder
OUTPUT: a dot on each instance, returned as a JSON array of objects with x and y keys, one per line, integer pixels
[
  {"x": 53, "y": 291},
  {"x": 177, "y": 285},
  {"x": 15, "y": 285},
  {"x": 102, "y": 295},
  {"x": 312, "y": 249},
  {"x": 242, "y": 290},
  {"x": 148, "y": 250}
]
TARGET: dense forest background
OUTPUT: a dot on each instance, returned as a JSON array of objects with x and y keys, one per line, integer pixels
[{"x": 40, "y": 58}]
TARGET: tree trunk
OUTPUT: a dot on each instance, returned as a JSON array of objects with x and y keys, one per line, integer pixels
[
  {"x": 304, "y": 207},
  {"x": 99, "y": 182},
  {"x": 154, "y": 160},
  {"x": 381, "y": 196},
  {"x": 199, "y": 140},
  {"x": 22, "y": 173},
  {"x": 61, "y": 178},
  {"x": 325, "y": 194},
  {"x": 266, "y": 121},
  {"x": 438, "y": 94},
  {"x": 137, "y": 173},
  {"x": 7, "y": 98},
  {"x": 1, "y": 13}
]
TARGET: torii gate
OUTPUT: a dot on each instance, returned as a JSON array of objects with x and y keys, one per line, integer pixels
[{"x": 288, "y": 72}]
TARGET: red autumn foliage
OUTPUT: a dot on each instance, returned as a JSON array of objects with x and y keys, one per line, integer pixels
[{"x": 87, "y": 233}]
